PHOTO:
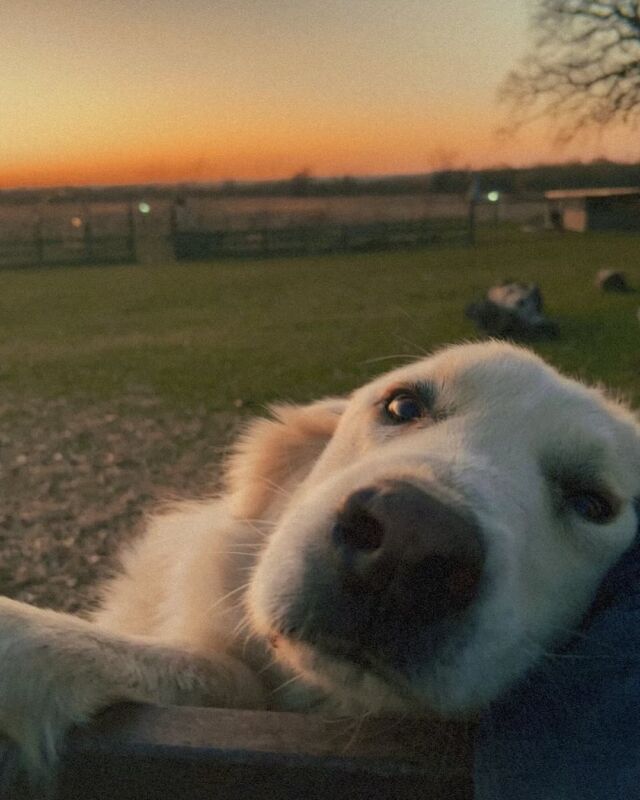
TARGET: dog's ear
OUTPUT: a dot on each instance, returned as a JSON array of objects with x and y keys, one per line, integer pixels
[{"x": 274, "y": 455}]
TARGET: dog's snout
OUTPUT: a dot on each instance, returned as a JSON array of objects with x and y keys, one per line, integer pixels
[
  {"x": 397, "y": 539},
  {"x": 357, "y": 527}
]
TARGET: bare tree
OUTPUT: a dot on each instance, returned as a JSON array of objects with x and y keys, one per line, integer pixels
[{"x": 584, "y": 69}]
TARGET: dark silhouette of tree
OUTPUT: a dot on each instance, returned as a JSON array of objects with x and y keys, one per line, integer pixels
[
  {"x": 584, "y": 69},
  {"x": 301, "y": 182}
]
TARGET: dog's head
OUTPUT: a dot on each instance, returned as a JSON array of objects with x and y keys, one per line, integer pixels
[{"x": 439, "y": 530}]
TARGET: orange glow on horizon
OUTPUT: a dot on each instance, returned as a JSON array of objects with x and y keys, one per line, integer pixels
[
  {"x": 405, "y": 149},
  {"x": 111, "y": 93}
]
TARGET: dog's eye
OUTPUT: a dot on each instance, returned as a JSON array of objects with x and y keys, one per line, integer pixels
[
  {"x": 592, "y": 506},
  {"x": 404, "y": 407}
]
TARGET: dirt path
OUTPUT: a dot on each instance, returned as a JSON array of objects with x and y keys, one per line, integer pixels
[{"x": 76, "y": 480}]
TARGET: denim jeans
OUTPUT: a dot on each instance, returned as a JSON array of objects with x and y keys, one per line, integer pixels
[{"x": 571, "y": 729}]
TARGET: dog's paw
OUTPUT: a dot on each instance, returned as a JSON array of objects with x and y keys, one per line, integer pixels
[
  {"x": 37, "y": 718},
  {"x": 43, "y": 693}
]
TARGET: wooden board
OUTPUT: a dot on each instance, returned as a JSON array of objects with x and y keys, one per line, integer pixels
[{"x": 146, "y": 753}]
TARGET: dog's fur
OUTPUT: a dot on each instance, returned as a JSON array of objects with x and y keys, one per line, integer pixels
[{"x": 237, "y": 601}]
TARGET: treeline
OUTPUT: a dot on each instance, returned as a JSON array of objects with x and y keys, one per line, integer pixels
[
  {"x": 524, "y": 181},
  {"x": 530, "y": 180}
]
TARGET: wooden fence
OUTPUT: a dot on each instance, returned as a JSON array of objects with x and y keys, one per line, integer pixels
[
  {"x": 66, "y": 232},
  {"x": 56, "y": 234},
  {"x": 318, "y": 238},
  {"x": 146, "y": 753}
]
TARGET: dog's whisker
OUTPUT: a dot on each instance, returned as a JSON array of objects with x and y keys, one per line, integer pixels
[
  {"x": 232, "y": 593},
  {"x": 249, "y": 544},
  {"x": 248, "y": 635},
  {"x": 257, "y": 521},
  {"x": 271, "y": 662},
  {"x": 254, "y": 527},
  {"x": 248, "y": 570},
  {"x": 280, "y": 489},
  {"x": 403, "y": 340},
  {"x": 286, "y": 683},
  {"x": 358, "y": 722},
  {"x": 244, "y": 623},
  {"x": 396, "y": 357}
]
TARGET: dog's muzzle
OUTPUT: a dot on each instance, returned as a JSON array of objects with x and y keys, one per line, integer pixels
[
  {"x": 397, "y": 541},
  {"x": 400, "y": 567}
]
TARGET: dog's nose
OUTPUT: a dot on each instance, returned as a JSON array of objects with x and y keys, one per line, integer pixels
[{"x": 397, "y": 540}]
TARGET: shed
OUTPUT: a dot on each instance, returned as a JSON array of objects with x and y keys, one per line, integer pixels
[{"x": 607, "y": 209}]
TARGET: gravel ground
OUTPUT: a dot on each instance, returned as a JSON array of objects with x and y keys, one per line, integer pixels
[{"x": 76, "y": 481}]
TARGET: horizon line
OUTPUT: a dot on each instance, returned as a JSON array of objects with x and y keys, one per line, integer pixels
[{"x": 363, "y": 177}]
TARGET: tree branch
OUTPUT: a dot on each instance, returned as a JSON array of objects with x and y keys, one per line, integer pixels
[{"x": 585, "y": 71}]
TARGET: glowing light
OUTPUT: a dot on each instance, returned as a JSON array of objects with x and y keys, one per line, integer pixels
[
  {"x": 493, "y": 197},
  {"x": 144, "y": 208},
  {"x": 76, "y": 222}
]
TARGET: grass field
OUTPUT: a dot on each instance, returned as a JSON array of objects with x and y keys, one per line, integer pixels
[{"x": 256, "y": 331}]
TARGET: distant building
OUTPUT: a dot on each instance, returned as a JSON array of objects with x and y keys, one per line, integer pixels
[{"x": 594, "y": 209}]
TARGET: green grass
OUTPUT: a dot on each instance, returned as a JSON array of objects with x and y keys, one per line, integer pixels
[{"x": 299, "y": 328}]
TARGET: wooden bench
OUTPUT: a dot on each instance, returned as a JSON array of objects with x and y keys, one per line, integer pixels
[{"x": 146, "y": 753}]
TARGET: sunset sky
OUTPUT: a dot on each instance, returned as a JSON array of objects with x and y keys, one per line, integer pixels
[{"x": 115, "y": 91}]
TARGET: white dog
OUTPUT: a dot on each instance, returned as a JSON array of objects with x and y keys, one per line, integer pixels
[{"x": 415, "y": 547}]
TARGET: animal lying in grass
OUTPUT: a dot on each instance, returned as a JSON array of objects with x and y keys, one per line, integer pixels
[{"x": 413, "y": 548}]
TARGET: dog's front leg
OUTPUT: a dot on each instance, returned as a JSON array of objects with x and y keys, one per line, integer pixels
[{"x": 56, "y": 670}]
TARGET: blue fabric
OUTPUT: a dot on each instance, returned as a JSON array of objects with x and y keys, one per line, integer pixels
[{"x": 571, "y": 729}]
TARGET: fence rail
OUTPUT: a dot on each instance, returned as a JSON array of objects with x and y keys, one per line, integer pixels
[
  {"x": 318, "y": 238},
  {"x": 132, "y": 752},
  {"x": 60, "y": 233},
  {"x": 49, "y": 252},
  {"x": 44, "y": 235}
]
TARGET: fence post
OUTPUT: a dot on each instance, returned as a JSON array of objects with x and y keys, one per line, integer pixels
[
  {"x": 38, "y": 237},
  {"x": 472, "y": 220},
  {"x": 131, "y": 233},
  {"x": 344, "y": 238},
  {"x": 88, "y": 234}
]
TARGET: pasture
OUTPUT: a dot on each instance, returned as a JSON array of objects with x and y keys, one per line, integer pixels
[
  {"x": 243, "y": 333},
  {"x": 122, "y": 385}
]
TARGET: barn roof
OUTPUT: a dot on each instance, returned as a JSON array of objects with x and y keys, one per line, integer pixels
[{"x": 568, "y": 194}]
